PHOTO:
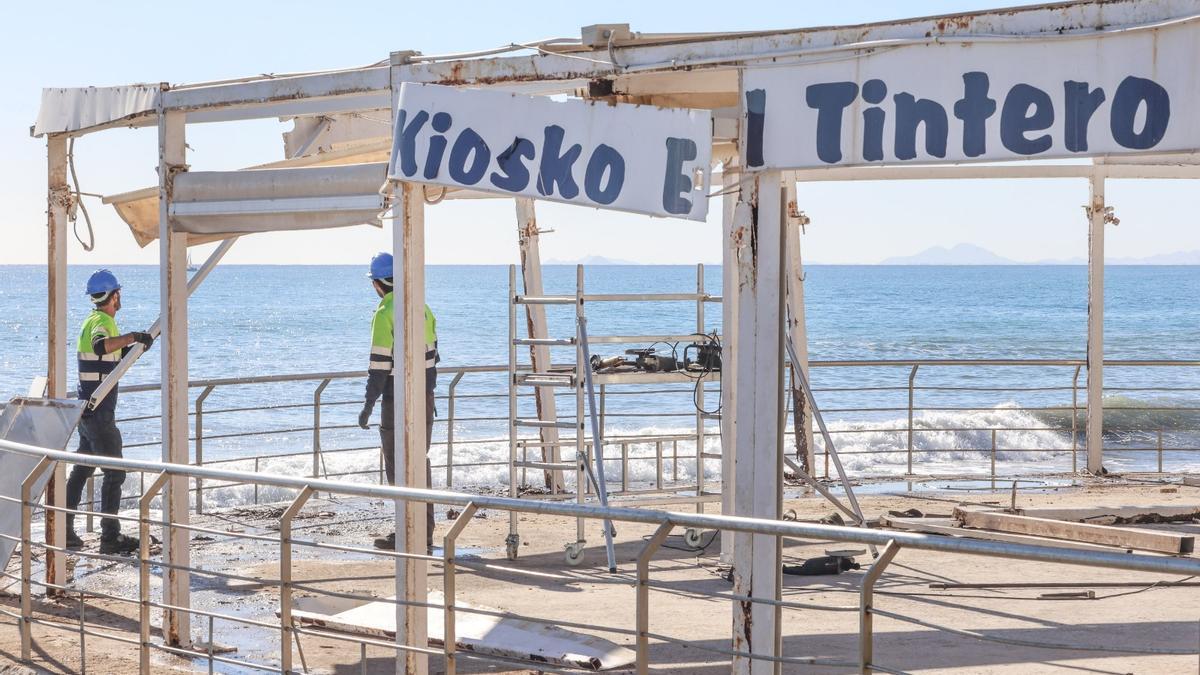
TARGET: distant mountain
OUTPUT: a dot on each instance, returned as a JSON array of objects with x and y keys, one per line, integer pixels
[
  {"x": 969, "y": 254},
  {"x": 961, "y": 254},
  {"x": 592, "y": 260}
]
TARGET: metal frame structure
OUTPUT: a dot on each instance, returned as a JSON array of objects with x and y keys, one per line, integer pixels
[
  {"x": 609, "y": 63},
  {"x": 665, "y": 522},
  {"x": 574, "y": 377}
]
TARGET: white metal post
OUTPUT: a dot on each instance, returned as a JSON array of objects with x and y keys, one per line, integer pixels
[
  {"x": 758, "y": 388},
  {"x": 535, "y": 315},
  {"x": 1095, "y": 324},
  {"x": 729, "y": 318},
  {"x": 173, "y": 306},
  {"x": 57, "y": 345},
  {"x": 797, "y": 326},
  {"x": 409, "y": 245}
]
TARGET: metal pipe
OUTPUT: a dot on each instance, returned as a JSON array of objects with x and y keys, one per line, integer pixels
[
  {"x": 200, "y": 444},
  {"x": 449, "y": 636},
  {"x": 1124, "y": 561},
  {"x": 912, "y": 376},
  {"x": 136, "y": 351},
  {"x": 643, "y": 596},
  {"x": 144, "y": 570},
  {"x": 285, "y": 578},
  {"x": 450, "y": 430},
  {"x": 865, "y": 611},
  {"x": 317, "y": 458},
  {"x": 27, "y": 554}
]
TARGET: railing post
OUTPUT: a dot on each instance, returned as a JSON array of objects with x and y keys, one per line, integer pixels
[
  {"x": 450, "y": 429},
  {"x": 1075, "y": 420},
  {"x": 27, "y": 556},
  {"x": 449, "y": 637},
  {"x": 643, "y": 595},
  {"x": 91, "y": 502},
  {"x": 912, "y": 376},
  {"x": 144, "y": 502},
  {"x": 316, "y": 458},
  {"x": 865, "y": 627},
  {"x": 1160, "y": 450},
  {"x": 993, "y": 458},
  {"x": 285, "y": 578},
  {"x": 200, "y": 445}
]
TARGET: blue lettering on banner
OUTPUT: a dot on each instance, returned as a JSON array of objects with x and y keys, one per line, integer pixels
[
  {"x": 1026, "y": 109},
  {"x": 515, "y": 176},
  {"x": 469, "y": 144},
  {"x": 407, "y": 134},
  {"x": 1139, "y": 114},
  {"x": 974, "y": 109},
  {"x": 911, "y": 113},
  {"x": 756, "y": 109},
  {"x": 873, "y": 91},
  {"x": 605, "y": 163},
  {"x": 461, "y": 155},
  {"x": 555, "y": 168},
  {"x": 437, "y": 144},
  {"x": 675, "y": 183},
  {"x": 1082, "y": 103},
  {"x": 1130, "y": 95},
  {"x": 829, "y": 100}
]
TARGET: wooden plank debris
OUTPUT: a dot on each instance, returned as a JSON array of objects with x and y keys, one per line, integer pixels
[
  {"x": 1117, "y": 515},
  {"x": 1140, "y": 539},
  {"x": 950, "y": 527}
]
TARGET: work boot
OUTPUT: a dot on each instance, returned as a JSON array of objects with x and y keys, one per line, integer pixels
[
  {"x": 387, "y": 543},
  {"x": 74, "y": 543},
  {"x": 119, "y": 545}
]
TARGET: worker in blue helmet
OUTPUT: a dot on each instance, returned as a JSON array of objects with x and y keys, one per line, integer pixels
[
  {"x": 100, "y": 347},
  {"x": 381, "y": 382}
]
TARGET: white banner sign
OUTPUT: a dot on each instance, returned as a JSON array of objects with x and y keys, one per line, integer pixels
[
  {"x": 1134, "y": 92},
  {"x": 624, "y": 157}
]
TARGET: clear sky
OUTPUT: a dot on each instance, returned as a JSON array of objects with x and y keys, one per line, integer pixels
[{"x": 92, "y": 43}]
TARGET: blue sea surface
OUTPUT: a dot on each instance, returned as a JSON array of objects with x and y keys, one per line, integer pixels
[{"x": 263, "y": 320}]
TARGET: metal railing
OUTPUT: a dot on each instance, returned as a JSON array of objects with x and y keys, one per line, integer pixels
[
  {"x": 893, "y": 402},
  {"x": 642, "y": 637}
]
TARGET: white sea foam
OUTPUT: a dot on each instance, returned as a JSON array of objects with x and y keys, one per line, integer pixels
[{"x": 944, "y": 442}]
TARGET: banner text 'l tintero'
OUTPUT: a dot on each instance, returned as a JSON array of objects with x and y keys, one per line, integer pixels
[
  {"x": 1134, "y": 92},
  {"x": 634, "y": 158}
]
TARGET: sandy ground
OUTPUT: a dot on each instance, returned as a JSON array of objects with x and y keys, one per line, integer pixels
[{"x": 682, "y": 605}]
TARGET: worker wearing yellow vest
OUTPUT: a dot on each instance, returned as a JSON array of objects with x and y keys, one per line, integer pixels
[
  {"x": 381, "y": 383},
  {"x": 100, "y": 348}
]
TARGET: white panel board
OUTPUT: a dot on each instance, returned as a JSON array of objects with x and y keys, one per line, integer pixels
[
  {"x": 39, "y": 422},
  {"x": 623, "y": 157},
  {"x": 1131, "y": 92},
  {"x": 483, "y": 634}
]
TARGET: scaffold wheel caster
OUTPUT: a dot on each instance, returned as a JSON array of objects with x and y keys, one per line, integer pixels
[
  {"x": 575, "y": 554},
  {"x": 692, "y": 537},
  {"x": 512, "y": 545}
]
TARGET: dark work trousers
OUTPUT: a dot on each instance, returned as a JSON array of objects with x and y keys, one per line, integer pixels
[
  {"x": 98, "y": 435},
  {"x": 387, "y": 441}
]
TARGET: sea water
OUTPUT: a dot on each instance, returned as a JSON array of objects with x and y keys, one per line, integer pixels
[{"x": 249, "y": 321}]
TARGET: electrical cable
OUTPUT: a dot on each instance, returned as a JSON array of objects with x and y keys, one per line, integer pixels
[
  {"x": 707, "y": 369},
  {"x": 77, "y": 198}
]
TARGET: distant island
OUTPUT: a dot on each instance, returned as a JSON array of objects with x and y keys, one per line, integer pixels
[
  {"x": 592, "y": 260},
  {"x": 969, "y": 254}
]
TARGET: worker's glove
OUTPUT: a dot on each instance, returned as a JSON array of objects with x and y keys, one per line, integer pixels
[
  {"x": 364, "y": 417},
  {"x": 144, "y": 339}
]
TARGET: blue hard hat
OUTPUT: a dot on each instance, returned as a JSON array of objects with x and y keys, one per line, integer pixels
[
  {"x": 381, "y": 266},
  {"x": 102, "y": 281}
]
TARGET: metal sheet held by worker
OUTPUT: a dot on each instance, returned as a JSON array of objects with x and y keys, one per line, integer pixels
[
  {"x": 45, "y": 423},
  {"x": 1020, "y": 98},
  {"x": 622, "y": 157}
]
